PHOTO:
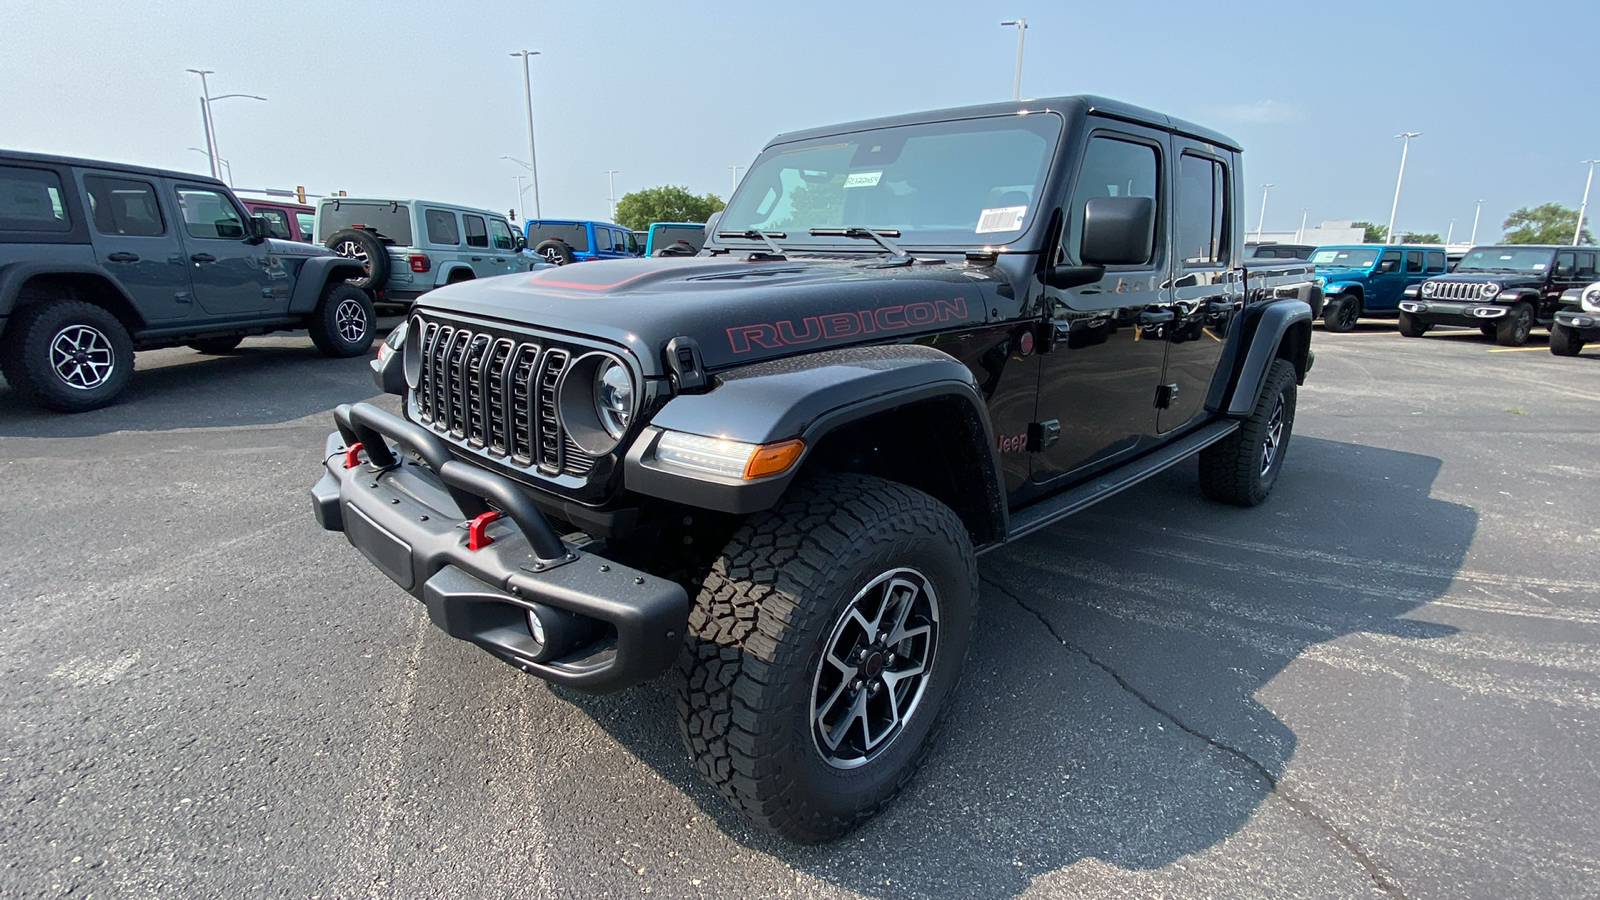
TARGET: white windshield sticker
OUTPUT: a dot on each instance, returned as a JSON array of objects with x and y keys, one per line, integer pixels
[
  {"x": 862, "y": 179},
  {"x": 1003, "y": 218},
  {"x": 1538, "y": 267}
]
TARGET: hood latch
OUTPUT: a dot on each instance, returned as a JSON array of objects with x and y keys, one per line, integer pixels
[{"x": 687, "y": 368}]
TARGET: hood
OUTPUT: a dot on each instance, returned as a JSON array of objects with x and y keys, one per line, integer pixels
[
  {"x": 738, "y": 311},
  {"x": 280, "y": 247}
]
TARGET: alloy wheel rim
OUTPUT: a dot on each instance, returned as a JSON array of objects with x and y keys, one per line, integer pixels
[
  {"x": 81, "y": 356},
  {"x": 350, "y": 320},
  {"x": 354, "y": 251},
  {"x": 1347, "y": 314},
  {"x": 552, "y": 255},
  {"x": 874, "y": 669},
  {"x": 1274, "y": 439}
]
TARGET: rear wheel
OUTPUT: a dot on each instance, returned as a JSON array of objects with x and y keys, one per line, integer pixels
[
  {"x": 216, "y": 346},
  {"x": 1513, "y": 329},
  {"x": 1242, "y": 468},
  {"x": 342, "y": 324},
  {"x": 1342, "y": 314},
  {"x": 67, "y": 355},
  {"x": 1411, "y": 326},
  {"x": 821, "y": 651},
  {"x": 1564, "y": 341}
]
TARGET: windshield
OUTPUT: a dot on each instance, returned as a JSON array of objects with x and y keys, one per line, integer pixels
[
  {"x": 973, "y": 182},
  {"x": 1344, "y": 257},
  {"x": 390, "y": 220},
  {"x": 1505, "y": 259}
]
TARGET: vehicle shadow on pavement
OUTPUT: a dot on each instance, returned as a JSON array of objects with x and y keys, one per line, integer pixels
[
  {"x": 1110, "y": 704},
  {"x": 267, "y": 380}
]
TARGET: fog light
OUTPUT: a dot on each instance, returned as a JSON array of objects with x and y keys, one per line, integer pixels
[
  {"x": 556, "y": 633},
  {"x": 536, "y": 628}
]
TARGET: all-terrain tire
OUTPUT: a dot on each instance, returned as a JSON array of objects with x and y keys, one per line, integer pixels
[
  {"x": 342, "y": 324},
  {"x": 769, "y": 622},
  {"x": 1342, "y": 314},
  {"x": 1410, "y": 326},
  {"x": 555, "y": 252},
  {"x": 216, "y": 346},
  {"x": 359, "y": 244},
  {"x": 66, "y": 355},
  {"x": 1242, "y": 468},
  {"x": 1513, "y": 329},
  {"x": 1487, "y": 329},
  {"x": 1564, "y": 341}
]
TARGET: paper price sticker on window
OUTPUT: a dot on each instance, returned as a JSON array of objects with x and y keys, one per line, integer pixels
[
  {"x": 1004, "y": 218},
  {"x": 862, "y": 179}
]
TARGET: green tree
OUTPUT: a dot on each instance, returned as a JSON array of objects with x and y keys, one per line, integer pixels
[
  {"x": 816, "y": 204},
  {"x": 1422, "y": 237},
  {"x": 1371, "y": 234},
  {"x": 668, "y": 203},
  {"x": 1547, "y": 223}
]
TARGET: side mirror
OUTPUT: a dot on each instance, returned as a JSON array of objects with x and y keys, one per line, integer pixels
[
  {"x": 711, "y": 224},
  {"x": 1118, "y": 231},
  {"x": 256, "y": 229}
]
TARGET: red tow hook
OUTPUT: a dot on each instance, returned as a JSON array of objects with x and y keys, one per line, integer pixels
[
  {"x": 350, "y": 460},
  {"x": 477, "y": 536}
]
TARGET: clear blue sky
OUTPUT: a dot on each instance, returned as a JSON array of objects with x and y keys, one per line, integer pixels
[{"x": 421, "y": 99}]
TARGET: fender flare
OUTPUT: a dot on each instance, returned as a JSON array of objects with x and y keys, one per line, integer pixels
[
  {"x": 1251, "y": 349},
  {"x": 314, "y": 277},
  {"x": 807, "y": 397},
  {"x": 14, "y": 276}
]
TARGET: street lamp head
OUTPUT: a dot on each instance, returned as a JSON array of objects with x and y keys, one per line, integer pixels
[
  {"x": 1590, "y": 162},
  {"x": 1020, "y": 23},
  {"x": 525, "y": 53},
  {"x": 201, "y": 71},
  {"x": 1409, "y": 134}
]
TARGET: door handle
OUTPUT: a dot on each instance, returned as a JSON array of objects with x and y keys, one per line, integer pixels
[
  {"x": 1219, "y": 307},
  {"x": 203, "y": 257},
  {"x": 477, "y": 259},
  {"x": 1151, "y": 318},
  {"x": 123, "y": 256}
]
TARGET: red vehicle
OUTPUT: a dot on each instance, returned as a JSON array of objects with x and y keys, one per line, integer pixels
[{"x": 286, "y": 219}]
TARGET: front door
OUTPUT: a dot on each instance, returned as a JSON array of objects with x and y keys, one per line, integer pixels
[
  {"x": 503, "y": 247},
  {"x": 1386, "y": 282},
  {"x": 1097, "y": 383},
  {"x": 1206, "y": 290},
  {"x": 232, "y": 277},
  {"x": 1574, "y": 269},
  {"x": 136, "y": 240}
]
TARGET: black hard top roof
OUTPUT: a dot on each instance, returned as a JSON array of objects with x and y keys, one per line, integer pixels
[
  {"x": 1081, "y": 104},
  {"x": 1528, "y": 247},
  {"x": 21, "y": 156}
]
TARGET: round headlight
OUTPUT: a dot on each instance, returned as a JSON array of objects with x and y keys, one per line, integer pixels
[
  {"x": 613, "y": 397},
  {"x": 1490, "y": 289},
  {"x": 1428, "y": 288},
  {"x": 1591, "y": 298}
]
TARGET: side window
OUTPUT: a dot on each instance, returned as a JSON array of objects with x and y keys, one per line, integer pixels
[
  {"x": 31, "y": 200},
  {"x": 307, "y": 222},
  {"x": 1389, "y": 262},
  {"x": 1586, "y": 265},
  {"x": 1413, "y": 260},
  {"x": 277, "y": 221},
  {"x": 618, "y": 242},
  {"x": 1112, "y": 167},
  {"x": 633, "y": 243},
  {"x": 1566, "y": 264},
  {"x": 120, "y": 206},
  {"x": 442, "y": 227},
  {"x": 1202, "y": 212},
  {"x": 1435, "y": 261},
  {"x": 477, "y": 232},
  {"x": 500, "y": 234},
  {"x": 210, "y": 214}
]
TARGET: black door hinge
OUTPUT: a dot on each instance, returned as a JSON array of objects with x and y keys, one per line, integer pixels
[{"x": 1165, "y": 395}]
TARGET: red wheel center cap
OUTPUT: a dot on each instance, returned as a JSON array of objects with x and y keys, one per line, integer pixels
[{"x": 873, "y": 665}]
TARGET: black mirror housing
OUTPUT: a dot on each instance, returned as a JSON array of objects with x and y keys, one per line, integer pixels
[
  {"x": 1118, "y": 231},
  {"x": 256, "y": 229}
]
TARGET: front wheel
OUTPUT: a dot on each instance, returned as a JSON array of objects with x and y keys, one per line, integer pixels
[
  {"x": 821, "y": 651},
  {"x": 1341, "y": 316},
  {"x": 1242, "y": 468},
  {"x": 1411, "y": 326},
  {"x": 1513, "y": 330},
  {"x": 67, "y": 355},
  {"x": 342, "y": 324},
  {"x": 1564, "y": 341}
]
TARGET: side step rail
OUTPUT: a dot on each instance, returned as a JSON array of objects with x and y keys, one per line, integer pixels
[{"x": 1054, "y": 509}]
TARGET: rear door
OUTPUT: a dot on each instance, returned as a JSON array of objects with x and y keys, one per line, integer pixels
[
  {"x": 232, "y": 277},
  {"x": 1206, "y": 287},
  {"x": 135, "y": 238}
]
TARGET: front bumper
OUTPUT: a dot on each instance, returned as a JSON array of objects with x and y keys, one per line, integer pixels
[
  {"x": 1448, "y": 312},
  {"x": 409, "y": 517},
  {"x": 1587, "y": 325}
]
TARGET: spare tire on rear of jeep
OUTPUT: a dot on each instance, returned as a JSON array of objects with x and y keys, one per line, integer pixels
[
  {"x": 358, "y": 243},
  {"x": 555, "y": 252}
]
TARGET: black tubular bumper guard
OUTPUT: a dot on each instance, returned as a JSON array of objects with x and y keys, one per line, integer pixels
[{"x": 410, "y": 519}]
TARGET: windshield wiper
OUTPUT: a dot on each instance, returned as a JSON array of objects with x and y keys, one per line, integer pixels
[
  {"x": 753, "y": 234},
  {"x": 881, "y": 235}
]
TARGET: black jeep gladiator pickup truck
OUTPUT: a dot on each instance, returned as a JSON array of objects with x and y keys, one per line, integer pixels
[{"x": 769, "y": 468}]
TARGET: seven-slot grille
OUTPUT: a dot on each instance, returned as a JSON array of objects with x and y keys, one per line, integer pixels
[
  {"x": 1456, "y": 290},
  {"x": 496, "y": 393}
]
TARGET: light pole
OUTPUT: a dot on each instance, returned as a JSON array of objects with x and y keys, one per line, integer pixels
[
  {"x": 1262, "y": 222},
  {"x": 1299, "y": 236},
  {"x": 1406, "y": 136},
  {"x": 205, "y": 114},
  {"x": 1450, "y": 232},
  {"x": 1583, "y": 207},
  {"x": 520, "y": 191},
  {"x": 1022, "y": 31},
  {"x": 533, "y": 159},
  {"x": 735, "y": 180},
  {"x": 611, "y": 179},
  {"x": 1475, "y": 213},
  {"x": 226, "y": 167}
]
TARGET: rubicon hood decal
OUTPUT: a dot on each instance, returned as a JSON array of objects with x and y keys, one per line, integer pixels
[{"x": 812, "y": 329}]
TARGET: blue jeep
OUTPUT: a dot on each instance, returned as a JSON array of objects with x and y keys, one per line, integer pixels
[
  {"x": 562, "y": 241},
  {"x": 1369, "y": 279},
  {"x": 675, "y": 239}
]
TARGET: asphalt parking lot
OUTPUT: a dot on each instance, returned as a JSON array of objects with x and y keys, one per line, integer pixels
[{"x": 1385, "y": 681}]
